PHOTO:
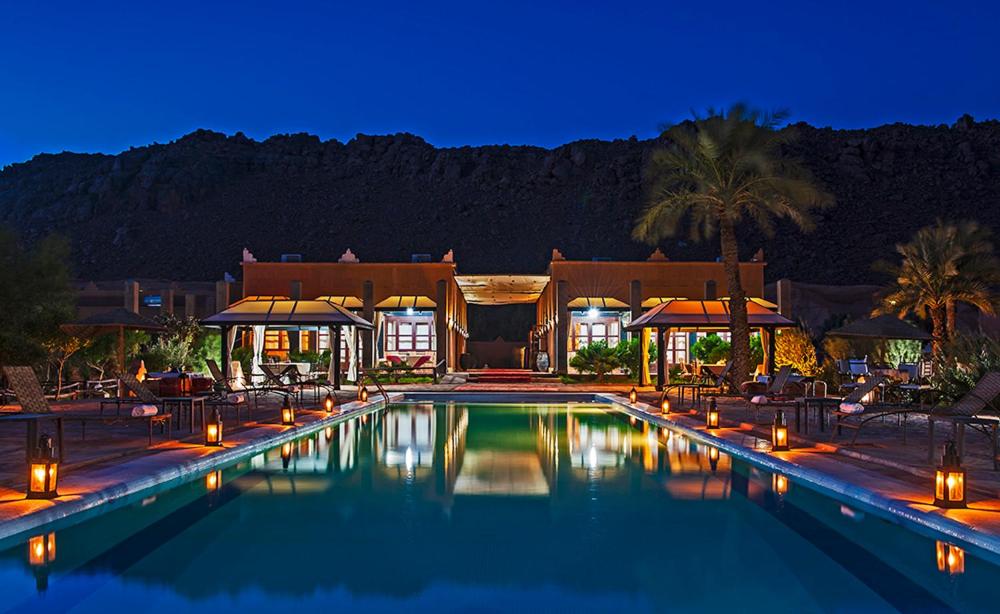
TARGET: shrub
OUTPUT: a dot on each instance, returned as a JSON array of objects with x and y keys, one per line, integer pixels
[
  {"x": 711, "y": 349},
  {"x": 793, "y": 346},
  {"x": 597, "y": 358},
  {"x": 630, "y": 356},
  {"x": 964, "y": 361}
]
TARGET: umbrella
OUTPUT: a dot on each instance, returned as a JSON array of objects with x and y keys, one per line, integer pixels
[
  {"x": 117, "y": 320},
  {"x": 881, "y": 327}
]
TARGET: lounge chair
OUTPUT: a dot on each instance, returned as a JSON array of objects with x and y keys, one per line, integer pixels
[
  {"x": 977, "y": 408},
  {"x": 29, "y": 394},
  {"x": 231, "y": 395},
  {"x": 774, "y": 395},
  {"x": 854, "y": 406},
  {"x": 274, "y": 383}
]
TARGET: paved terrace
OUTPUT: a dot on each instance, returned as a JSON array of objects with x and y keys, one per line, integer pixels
[{"x": 881, "y": 461}]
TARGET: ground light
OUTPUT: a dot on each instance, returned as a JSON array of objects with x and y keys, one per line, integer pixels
[
  {"x": 287, "y": 412},
  {"x": 633, "y": 396},
  {"x": 779, "y": 432},
  {"x": 213, "y": 429},
  {"x": 329, "y": 403},
  {"x": 949, "y": 480},
  {"x": 950, "y": 558},
  {"x": 41, "y": 554},
  {"x": 43, "y": 471},
  {"x": 363, "y": 394},
  {"x": 712, "y": 416}
]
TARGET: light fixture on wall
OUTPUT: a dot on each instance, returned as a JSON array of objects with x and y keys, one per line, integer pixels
[{"x": 593, "y": 313}]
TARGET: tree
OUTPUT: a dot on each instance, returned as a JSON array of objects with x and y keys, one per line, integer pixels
[
  {"x": 630, "y": 356},
  {"x": 35, "y": 297},
  {"x": 713, "y": 174},
  {"x": 711, "y": 349},
  {"x": 941, "y": 266},
  {"x": 597, "y": 358},
  {"x": 793, "y": 346},
  {"x": 61, "y": 348}
]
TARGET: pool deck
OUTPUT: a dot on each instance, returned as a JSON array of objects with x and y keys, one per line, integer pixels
[{"x": 882, "y": 471}]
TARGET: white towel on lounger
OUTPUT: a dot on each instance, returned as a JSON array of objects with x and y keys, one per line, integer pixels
[{"x": 141, "y": 411}]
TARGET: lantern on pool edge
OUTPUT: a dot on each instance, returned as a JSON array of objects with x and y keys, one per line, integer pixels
[
  {"x": 950, "y": 558},
  {"x": 287, "y": 413},
  {"x": 633, "y": 396},
  {"x": 328, "y": 403},
  {"x": 664, "y": 403},
  {"x": 949, "y": 480},
  {"x": 43, "y": 471},
  {"x": 712, "y": 416},
  {"x": 213, "y": 429},
  {"x": 779, "y": 432},
  {"x": 363, "y": 394}
]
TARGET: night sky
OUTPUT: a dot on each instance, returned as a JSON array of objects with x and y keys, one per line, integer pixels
[{"x": 100, "y": 76}]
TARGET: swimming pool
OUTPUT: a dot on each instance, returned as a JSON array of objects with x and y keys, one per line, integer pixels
[{"x": 485, "y": 506}]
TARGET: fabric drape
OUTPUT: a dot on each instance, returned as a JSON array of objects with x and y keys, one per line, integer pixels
[
  {"x": 256, "y": 374},
  {"x": 644, "y": 377}
]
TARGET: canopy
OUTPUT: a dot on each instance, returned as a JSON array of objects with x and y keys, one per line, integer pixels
[
  {"x": 501, "y": 289},
  {"x": 286, "y": 312},
  {"x": 881, "y": 327},
  {"x": 597, "y": 302},
  {"x": 714, "y": 314},
  {"x": 110, "y": 321}
]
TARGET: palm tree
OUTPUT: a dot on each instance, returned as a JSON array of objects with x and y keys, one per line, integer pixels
[
  {"x": 943, "y": 265},
  {"x": 716, "y": 172}
]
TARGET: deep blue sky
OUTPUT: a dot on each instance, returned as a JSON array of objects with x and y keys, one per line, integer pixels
[{"x": 101, "y": 76}]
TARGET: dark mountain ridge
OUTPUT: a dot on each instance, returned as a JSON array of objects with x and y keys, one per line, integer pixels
[{"x": 185, "y": 210}]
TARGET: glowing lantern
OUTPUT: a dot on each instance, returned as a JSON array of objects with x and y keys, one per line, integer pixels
[
  {"x": 41, "y": 554},
  {"x": 779, "y": 432},
  {"x": 287, "y": 413},
  {"x": 43, "y": 471},
  {"x": 664, "y": 403},
  {"x": 213, "y": 481},
  {"x": 286, "y": 454},
  {"x": 950, "y": 558},
  {"x": 183, "y": 384},
  {"x": 213, "y": 429},
  {"x": 633, "y": 396},
  {"x": 779, "y": 484},
  {"x": 329, "y": 403},
  {"x": 363, "y": 394},
  {"x": 712, "y": 416},
  {"x": 713, "y": 457},
  {"x": 328, "y": 433},
  {"x": 949, "y": 480}
]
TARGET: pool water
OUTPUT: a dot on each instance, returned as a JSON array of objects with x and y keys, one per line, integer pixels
[{"x": 491, "y": 507}]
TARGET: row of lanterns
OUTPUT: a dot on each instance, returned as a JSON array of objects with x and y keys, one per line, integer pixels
[{"x": 949, "y": 478}]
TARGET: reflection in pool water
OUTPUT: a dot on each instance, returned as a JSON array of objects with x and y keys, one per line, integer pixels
[{"x": 490, "y": 507}]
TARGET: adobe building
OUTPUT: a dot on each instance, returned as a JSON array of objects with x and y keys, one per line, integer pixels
[{"x": 419, "y": 308}]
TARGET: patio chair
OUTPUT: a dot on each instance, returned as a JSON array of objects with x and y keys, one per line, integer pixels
[
  {"x": 29, "y": 394},
  {"x": 231, "y": 395},
  {"x": 719, "y": 383},
  {"x": 854, "y": 406},
  {"x": 775, "y": 395},
  {"x": 274, "y": 383},
  {"x": 977, "y": 408}
]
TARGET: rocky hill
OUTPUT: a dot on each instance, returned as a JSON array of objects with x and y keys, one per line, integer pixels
[{"x": 186, "y": 209}]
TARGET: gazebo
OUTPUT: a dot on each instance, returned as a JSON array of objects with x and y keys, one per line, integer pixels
[
  {"x": 704, "y": 316},
  {"x": 259, "y": 312}
]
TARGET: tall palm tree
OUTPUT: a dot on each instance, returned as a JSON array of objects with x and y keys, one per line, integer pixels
[
  {"x": 943, "y": 265},
  {"x": 715, "y": 173}
]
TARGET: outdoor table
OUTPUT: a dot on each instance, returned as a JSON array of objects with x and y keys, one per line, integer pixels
[
  {"x": 821, "y": 404},
  {"x": 302, "y": 367},
  {"x": 695, "y": 393},
  {"x": 190, "y": 401}
]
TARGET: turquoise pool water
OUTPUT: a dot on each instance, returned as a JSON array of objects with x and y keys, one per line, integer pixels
[{"x": 475, "y": 507}]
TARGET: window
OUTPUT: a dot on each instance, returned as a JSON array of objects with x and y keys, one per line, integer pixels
[
  {"x": 323, "y": 341},
  {"x": 587, "y": 330},
  {"x": 410, "y": 333},
  {"x": 677, "y": 348}
]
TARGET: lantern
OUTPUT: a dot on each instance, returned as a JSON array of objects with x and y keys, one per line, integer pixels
[
  {"x": 328, "y": 433},
  {"x": 779, "y": 484},
  {"x": 779, "y": 432},
  {"x": 286, "y": 454},
  {"x": 183, "y": 384},
  {"x": 43, "y": 471},
  {"x": 363, "y": 394},
  {"x": 633, "y": 396},
  {"x": 328, "y": 403},
  {"x": 664, "y": 403},
  {"x": 213, "y": 429},
  {"x": 712, "y": 416},
  {"x": 713, "y": 457},
  {"x": 950, "y": 558},
  {"x": 949, "y": 480},
  {"x": 213, "y": 481},
  {"x": 287, "y": 413}
]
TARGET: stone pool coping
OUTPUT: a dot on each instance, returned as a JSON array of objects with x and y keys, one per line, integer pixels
[
  {"x": 251, "y": 442},
  {"x": 929, "y": 524}
]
